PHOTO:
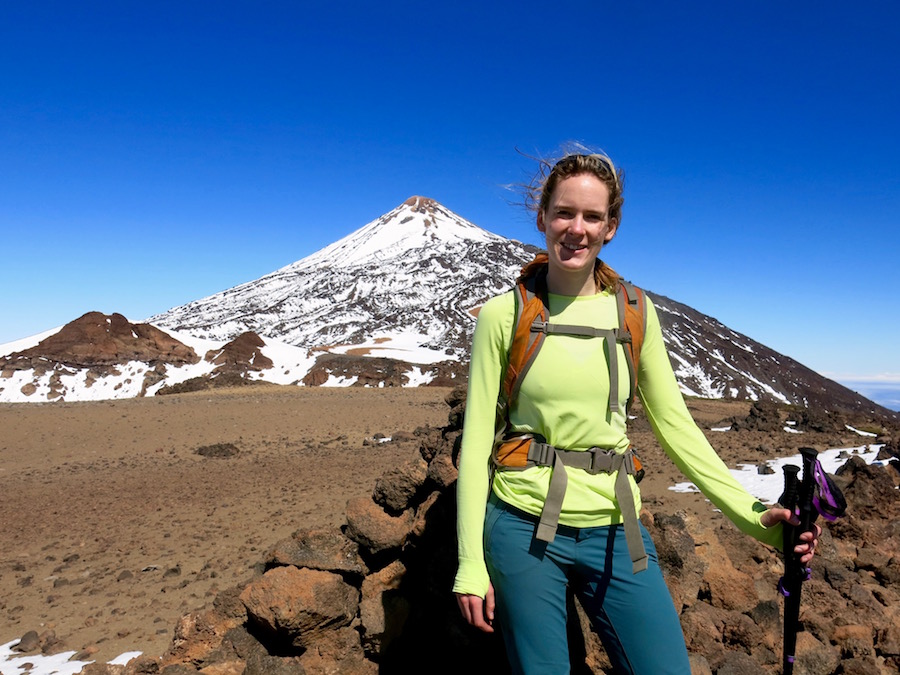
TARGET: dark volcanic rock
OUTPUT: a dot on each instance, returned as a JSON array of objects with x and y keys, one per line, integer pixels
[
  {"x": 319, "y": 550},
  {"x": 396, "y": 489},
  {"x": 218, "y": 450},
  {"x": 226, "y": 379},
  {"x": 374, "y": 371},
  {"x": 763, "y": 416},
  {"x": 242, "y": 354},
  {"x": 28, "y": 642}
]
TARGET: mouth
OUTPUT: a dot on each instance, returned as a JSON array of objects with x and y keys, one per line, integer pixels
[{"x": 573, "y": 247}]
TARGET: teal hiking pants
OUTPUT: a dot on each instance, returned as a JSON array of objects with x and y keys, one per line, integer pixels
[{"x": 632, "y": 613}]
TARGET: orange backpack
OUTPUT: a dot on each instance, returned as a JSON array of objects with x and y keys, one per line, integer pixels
[
  {"x": 516, "y": 450},
  {"x": 532, "y": 326}
]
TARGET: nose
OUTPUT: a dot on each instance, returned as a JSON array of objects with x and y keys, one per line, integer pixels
[{"x": 576, "y": 225}]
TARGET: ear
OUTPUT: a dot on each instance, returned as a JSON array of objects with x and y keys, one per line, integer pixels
[
  {"x": 613, "y": 227},
  {"x": 540, "y": 222}
]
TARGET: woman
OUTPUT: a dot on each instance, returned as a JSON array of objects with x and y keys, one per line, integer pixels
[{"x": 507, "y": 569}]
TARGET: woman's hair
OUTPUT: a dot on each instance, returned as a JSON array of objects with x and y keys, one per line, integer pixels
[
  {"x": 576, "y": 161},
  {"x": 551, "y": 172}
]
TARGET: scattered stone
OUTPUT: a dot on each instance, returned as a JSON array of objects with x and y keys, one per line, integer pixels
[
  {"x": 442, "y": 470},
  {"x": 49, "y": 642},
  {"x": 814, "y": 657},
  {"x": 102, "y": 669},
  {"x": 28, "y": 642},
  {"x": 339, "y": 651},
  {"x": 218, "y": 450},
  {"x": 860, "y": 666},
  {"x": 172, "y": 572},
  {"x": 86, "y": 654},
  {"x": 739, "y": 663}
]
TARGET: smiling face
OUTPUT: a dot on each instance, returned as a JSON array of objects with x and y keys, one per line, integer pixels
[{"x": 576, "y": 224}]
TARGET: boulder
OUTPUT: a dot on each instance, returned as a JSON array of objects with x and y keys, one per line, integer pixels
[
  {"x": 681, "y": 566},
  {"x": 200, "y": 633},
  {"x": 397, "y": 488},
  {"x": 318, "y": 549},
  {"x": 338, "y": 652},
  {"x": 814, "y": 657},
  {"x": 854, "y": 641},
  {"x": 299, "y": 606},
  {"x": 383, "y": 610},
  {"x": 374, "y": 529},
  {"x": 442, "y": 470},
  {"x": 739, "y": 663}
]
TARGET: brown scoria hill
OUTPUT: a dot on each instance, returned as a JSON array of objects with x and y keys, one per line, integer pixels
[
  {"x": 373, "y": 596},
  {"x": 96, "y": 339},
  {"x": 101, "y": 344}
]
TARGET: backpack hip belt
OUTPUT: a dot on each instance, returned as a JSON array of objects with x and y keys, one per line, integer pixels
[{"x": 594, "y": 460}]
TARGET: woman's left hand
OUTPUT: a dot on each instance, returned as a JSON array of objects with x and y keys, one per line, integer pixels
[{"x": 807, "y": 547}]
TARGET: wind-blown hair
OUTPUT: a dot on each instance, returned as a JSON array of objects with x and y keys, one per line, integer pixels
[{"x": 575, "y": 162}]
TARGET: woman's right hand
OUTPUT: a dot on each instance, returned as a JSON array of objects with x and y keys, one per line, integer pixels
[{"x": 478, "y": 611}]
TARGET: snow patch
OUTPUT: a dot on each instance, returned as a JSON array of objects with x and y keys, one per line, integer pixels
[
  {"x": 861, "y": 433},
  {"x": 768, "y": 487},
  {"x": 13, "y": 663}
]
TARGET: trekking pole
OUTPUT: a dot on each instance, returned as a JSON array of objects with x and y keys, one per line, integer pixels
[
  {"x": 789, "y": 584},
  {"x": 816, "y": 493}
]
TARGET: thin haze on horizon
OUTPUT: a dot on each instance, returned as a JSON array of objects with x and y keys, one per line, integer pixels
[{"x": 153, "y": 155}]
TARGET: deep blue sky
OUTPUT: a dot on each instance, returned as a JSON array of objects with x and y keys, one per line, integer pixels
[{"x": 155, "y": 153}]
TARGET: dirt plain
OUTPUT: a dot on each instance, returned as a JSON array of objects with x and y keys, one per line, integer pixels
[{"x": 112, "y": 526}]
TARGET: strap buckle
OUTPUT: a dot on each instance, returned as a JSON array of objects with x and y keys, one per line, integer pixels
[
  {"x": 538, "y": 326},
  {"x": 540, "y": 452},
  {"x": 603, "y": 460}
]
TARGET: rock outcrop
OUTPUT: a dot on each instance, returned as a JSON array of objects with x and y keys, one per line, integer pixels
[
  {"x": 97, "y": 340},
  {"x": 368, "y": 370},
  {"x": 241, "y": 355},
  {"x": 374, "y": 596},
  {"x": 97, "y": 345}
]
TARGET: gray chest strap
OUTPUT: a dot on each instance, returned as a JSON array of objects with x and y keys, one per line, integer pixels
[
  {"x": 594, "y": 461},
  {"x": 611, "y": 337}
]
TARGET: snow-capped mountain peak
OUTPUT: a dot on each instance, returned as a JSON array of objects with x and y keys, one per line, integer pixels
[
  {"x": 417, "y": 223},
  {"x": 417, "y": 270}
]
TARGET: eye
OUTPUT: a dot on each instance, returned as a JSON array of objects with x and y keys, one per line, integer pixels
[{"x": 563, "y": 213}]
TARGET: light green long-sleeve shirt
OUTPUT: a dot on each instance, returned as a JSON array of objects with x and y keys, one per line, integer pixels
[{"x": 564, "y": 398}]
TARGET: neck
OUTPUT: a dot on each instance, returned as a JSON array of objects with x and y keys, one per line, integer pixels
[{"x": 571, "y": 284}]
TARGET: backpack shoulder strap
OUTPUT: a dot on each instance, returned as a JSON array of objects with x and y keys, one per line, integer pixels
[
  {"x": 632, "y": 308},
  {"x": 531, "y": 306}
]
